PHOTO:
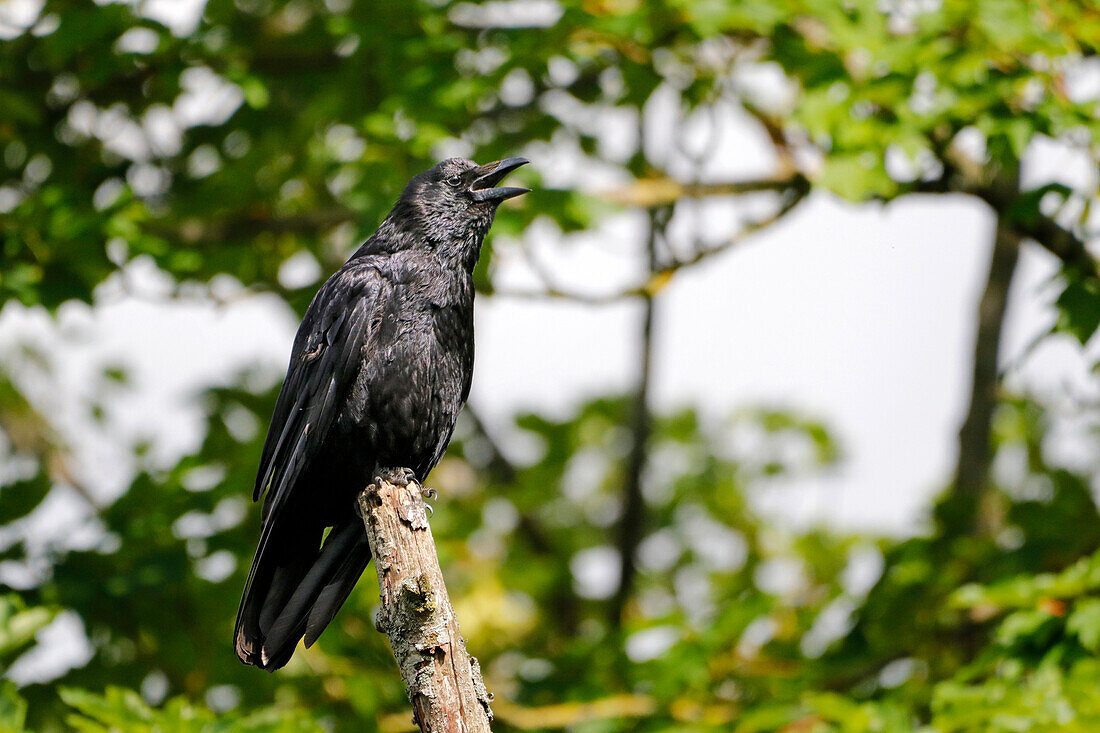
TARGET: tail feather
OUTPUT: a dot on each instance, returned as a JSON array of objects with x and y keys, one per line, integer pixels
[
  {"x": 285, "y": 598},
  {"x": 289, "y": 624},
  {"x": 336, "y": 592},
  {"x": 284, "y": 580}
]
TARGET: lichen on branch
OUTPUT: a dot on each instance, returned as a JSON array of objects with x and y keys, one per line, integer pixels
[{"x": 443, "y": 681}]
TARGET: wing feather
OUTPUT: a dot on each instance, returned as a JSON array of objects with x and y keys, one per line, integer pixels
[{"x": 334, "y": 336}]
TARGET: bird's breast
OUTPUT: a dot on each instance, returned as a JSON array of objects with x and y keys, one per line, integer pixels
[{"x": 412, "y": 384}]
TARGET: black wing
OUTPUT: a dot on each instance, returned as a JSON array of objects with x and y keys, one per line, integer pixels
[
  {"x": 328, "y": 349},
  {"x": 334, "y": 337}
]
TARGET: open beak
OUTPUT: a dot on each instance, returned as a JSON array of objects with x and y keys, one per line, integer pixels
[{"x": 490, "y": 174}]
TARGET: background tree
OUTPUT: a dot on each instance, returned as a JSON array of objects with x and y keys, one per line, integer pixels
[{"x": 275, "y": 130}]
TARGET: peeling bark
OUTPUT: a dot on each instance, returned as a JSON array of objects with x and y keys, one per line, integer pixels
[{"x": 444, "y": 682}]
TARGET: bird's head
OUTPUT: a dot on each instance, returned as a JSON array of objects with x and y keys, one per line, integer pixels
[
  {"x": 463, "y": 187},
  {"x": 458, "y": 195},
  {"x": 448, "y": 209},
  {"x": 464, "y": 183}
]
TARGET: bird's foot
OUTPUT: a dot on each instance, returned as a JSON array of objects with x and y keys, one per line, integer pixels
[
  {"x": 428, "y": 494},
  {"x": 404, "y": 477},
  {"x": 397, "y": 476}
]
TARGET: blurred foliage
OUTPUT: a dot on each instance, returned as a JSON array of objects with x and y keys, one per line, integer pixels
[
  {"x": 120, "y": 709},
  {"x": 18, "y": 626},
  {"x": 280, "y": 130}
]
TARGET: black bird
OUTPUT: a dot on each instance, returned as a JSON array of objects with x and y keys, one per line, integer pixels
[{"x": 379, "y": 370}]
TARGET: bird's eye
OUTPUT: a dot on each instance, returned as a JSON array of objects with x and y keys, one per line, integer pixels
[{"x": 454, "y": 181}]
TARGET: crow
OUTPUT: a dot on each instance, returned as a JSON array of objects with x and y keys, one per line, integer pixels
[{"x": 379, "y": 370}]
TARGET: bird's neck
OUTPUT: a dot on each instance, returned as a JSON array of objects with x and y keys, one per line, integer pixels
[
  {"x": 456, "y": 244},
  {"x": 463, "y": 249}
]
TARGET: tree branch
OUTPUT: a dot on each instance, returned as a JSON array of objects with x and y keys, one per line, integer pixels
[
  {"x": 774, "y": 129},
  {"x": 1059, "y": 241},
  {"x": 632, "y": 520},
  {"x": 960, "y": 513},
  {"x": 504, "y": 471},
  {"x": 498, "y": 464},
  {"x": 653, "y": 192},
  {"x": 964, "y": 175},
  {"x": 659, "y": 277},
  {"x": 444, "y": 683},
  {"x": 244, "y": 225}
]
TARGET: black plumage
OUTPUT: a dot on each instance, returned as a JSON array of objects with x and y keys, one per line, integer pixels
[{"x": 379, "y": 370}]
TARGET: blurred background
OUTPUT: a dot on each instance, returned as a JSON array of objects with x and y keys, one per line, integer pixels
[{"x": 786, "y": 401}]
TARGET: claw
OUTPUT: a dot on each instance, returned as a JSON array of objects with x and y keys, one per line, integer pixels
[{"x": 427, "y": 494}]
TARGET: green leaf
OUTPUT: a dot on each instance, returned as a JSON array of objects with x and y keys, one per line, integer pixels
[
  {"x": 13, "y": 708},
  {"x": 19, "y": 624},
  {"x": 856, "y": 176},
  {"x": 1084, "y": 621},
  {"x": 1079, "y": 306},
  {"x": 1024, "y": 626},
  {"x": 20, "y": 498}
]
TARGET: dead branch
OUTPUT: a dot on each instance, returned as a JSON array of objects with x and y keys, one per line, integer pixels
[{"x": 444, "y": 683}]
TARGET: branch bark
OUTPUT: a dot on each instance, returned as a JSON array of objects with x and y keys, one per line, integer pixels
[
  {"x": 633, "y": 518},
  {"x": 653, "y": 192},
  {"x": 960, "y": 513},
  {"x": 963, "y": 175},
  {"x": 443, "y": 681},
  {"x": 1060, "y": 242}
]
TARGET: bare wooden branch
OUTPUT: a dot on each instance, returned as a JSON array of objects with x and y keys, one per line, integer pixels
[
  {"x": 961, "y": 512},
  {"x": 652, "y": 192},
  {"x": 1060, "y": 242},
  {"x": 773, "y": 127},
  {"x": 632, "y": 520},
  {"x": 444, "y": 683}
]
